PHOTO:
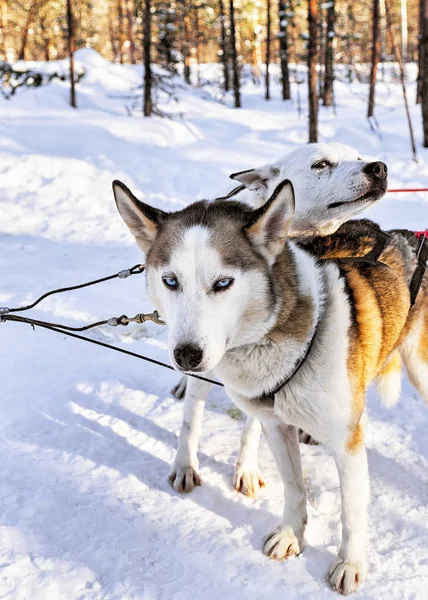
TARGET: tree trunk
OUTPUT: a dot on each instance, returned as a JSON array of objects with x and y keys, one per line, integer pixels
[
  {"x": 223, "y": 47},
  {"x": 186, "y": 49},
  {"x": 349, "y": 40},
  {"x": 424, "y": 48},
  {"x": 421, "y": 65},
  {"x": 312, "y": 70},
  {"x": 375, "y": 57},
  {"x": 3, "y": 21},
  {"x": 234, "y": 52},
  {"x": 45, "y": 38},
  {"x": 120, "y": 29},
  {"x": 268, "y": 34},
  {"x": 329, "y": 62},
  {"x": 130, "y": 21},
  {"x": 147, "y": 18},
  {"x": 70, "y": 39},
  {"x": 198, "y": 47},
  {"x": 404, "y": 31},
  {"x": 283, "y": 50},
  {"x": 24, "y": 38},
  {"x": 112, "y": 32}
]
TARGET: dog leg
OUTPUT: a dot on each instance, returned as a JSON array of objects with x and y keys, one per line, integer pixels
[
  {"x": 389, "y": 380},
  {"x": 287, "y": 540},
  {"x": 179, "y": 390},
  {"x": 417, "y": 367},
  {"x": 248, "y": 479},
  {"x": 306, "y": 438},
  {"x": 349, "y": 568},
  {"x": 184, "y": 474}
]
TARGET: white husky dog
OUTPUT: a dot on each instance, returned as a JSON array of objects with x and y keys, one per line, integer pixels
[
  {"x": 295, "y": 341},
  {"x": 332, "y": 183}
]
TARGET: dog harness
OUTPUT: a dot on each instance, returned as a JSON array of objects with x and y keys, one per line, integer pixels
[
  {"x": 422, "y": 258},
  {"x": 372, "y": 259}
]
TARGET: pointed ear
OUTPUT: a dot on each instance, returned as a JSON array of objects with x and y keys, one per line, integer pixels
[
  {"x": 257, "y": 180},
  {"x": 142, "y": 219},
  {"x": 268, "y": 226}
]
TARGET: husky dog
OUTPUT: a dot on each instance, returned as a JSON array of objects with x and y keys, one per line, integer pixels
[
  {"x": 296, "y": 341},
  {"x": 331, "y": 183}
]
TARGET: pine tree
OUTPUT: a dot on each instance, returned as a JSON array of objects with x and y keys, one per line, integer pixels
[
  {"x": 284, "y": 16},
  {"x": 312, "y": 69},
  {"x": 421, "y": 64},
  {"x": 223, "y": 47},
  {"x": 329, "y": 60},
  {"x": 70, "y": 38},
  {"x": 375, "y": 57},
  {"x": 234, "y": 53},
  {"x": 147, "y": 22},
  {"x": 268, "y": 34}
]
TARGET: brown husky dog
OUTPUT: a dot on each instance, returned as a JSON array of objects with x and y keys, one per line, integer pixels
[{"x": 295, "y": 340}]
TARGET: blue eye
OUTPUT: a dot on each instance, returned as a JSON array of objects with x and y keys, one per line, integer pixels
[
  {"x": 170, "y": 282},
  {"x": 223, "y": 284}
]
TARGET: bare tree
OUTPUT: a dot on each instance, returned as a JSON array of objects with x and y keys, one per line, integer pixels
[
  {"x": 375, "y": 57},
  {"x": 130, "y": 21},
  {"x": 421, "y": 64},
  {"x": 329, "y": 59},
  {"x": 312, "y": 70},
  {"x": 223, "y": 47},
  {"x": 424, "y": 49},
  {"x": 399, "y": 59},
  {"x": 268, "y": 34},
  {"x": 186, "y": 46},
  {"x": 30, "y": 16},
  {"x": 70, "y": 39},
  {"x": 283, "y": 50},
  {"x": 120, "y": 29},
  {"x": 147, "y": 23},
  {"x": 234, "y": 53}
]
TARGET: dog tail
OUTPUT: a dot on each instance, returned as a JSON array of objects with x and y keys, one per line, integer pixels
[{"x": 389, "y": 380}]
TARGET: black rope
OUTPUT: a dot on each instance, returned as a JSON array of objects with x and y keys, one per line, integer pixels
[
  {"x": 34, "y": 322},
  {"x": 135, "y": 270},
  {"x": 59, "y": 329}
]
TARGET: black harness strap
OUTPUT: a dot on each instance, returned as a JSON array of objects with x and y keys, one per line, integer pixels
[
  {"x": 372, "y": 258},
  {"x": 299, "y": 364},
  {"x": 418, "y": 275}
]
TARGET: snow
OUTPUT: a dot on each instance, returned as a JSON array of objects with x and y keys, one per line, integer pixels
[{"x": 87, "y": 436}]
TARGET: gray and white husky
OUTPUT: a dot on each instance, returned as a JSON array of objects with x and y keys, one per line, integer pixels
[
  {"x": 332, "y": 183},
  {"x": 243, "y": 302}
]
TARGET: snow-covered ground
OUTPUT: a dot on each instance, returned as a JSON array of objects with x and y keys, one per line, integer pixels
[{"x": 87, "y": 436}]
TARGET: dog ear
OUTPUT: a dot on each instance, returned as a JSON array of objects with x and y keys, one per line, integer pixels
[
  {"x": 142, "y": 219},
  {"x": 268, "y": 226},
  {"x": 257, "y": 180}
]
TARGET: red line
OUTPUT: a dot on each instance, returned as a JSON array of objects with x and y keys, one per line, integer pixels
[{"x": 409, "y": 190}]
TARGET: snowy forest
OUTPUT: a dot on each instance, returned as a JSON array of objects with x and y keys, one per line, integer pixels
[
  {"x": 335, "y": 39},
  {"x": 184, "y": 102}
]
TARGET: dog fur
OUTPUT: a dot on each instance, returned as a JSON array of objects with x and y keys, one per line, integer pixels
[{"x": 244, "y": 302}]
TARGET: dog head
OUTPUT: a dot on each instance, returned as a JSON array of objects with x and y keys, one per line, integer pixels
[
  {"x": 332, "y": 183},
  {"x": 209, "y": 270}
]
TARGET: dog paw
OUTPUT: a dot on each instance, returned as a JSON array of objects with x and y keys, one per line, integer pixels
[
  {"x": 248, "y": 481},
  {"x": 305, "y": 438},
  {"x": 282, "y": 543},
  {"x": 345, "y": 577},
  {"x": 179, "y": 390},
  {"x": 184, "y": 479}
]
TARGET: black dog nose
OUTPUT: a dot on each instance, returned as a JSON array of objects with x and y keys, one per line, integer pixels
[
  {"x": 378, "y": 169},
  {"x": 188, "y": 356}
]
